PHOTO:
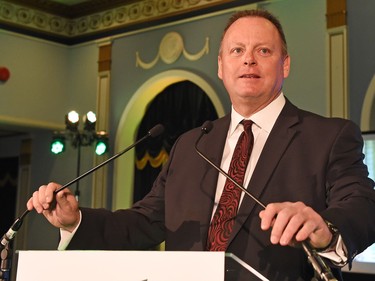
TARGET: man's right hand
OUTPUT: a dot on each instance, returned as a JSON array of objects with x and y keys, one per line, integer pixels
[{"x": 60, "y": 209}]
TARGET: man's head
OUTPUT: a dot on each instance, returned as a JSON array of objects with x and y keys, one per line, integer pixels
[{"x": 253, "y": 60}]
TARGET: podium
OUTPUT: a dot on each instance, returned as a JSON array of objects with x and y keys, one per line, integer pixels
[{"x": 132, "y": 266}]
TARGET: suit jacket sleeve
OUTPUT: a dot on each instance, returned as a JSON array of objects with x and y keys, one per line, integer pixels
[{"x": 350, "y": 194}]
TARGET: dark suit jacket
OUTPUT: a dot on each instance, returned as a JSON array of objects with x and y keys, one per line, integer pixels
[{"x": 306, "y": 158}]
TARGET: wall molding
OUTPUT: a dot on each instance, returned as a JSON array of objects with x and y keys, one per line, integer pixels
[
  {"x": 367, "y": 106},
  {"x": 170, "y": 49},
  {"x": 338, "y": 72}
]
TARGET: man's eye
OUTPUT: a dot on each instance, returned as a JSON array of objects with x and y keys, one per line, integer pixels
[
  {"x": 237, "y": 50},
  {"x": 264, "y": 51}
]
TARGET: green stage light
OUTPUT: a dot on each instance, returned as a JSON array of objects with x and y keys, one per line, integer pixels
[
  {"x": 101, "y": 143},
  {"x": 101, "y": 147},
  {"x": 58, "y": 145}
]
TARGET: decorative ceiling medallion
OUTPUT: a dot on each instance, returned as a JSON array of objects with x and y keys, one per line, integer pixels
[{"x": 170, "y": 49}]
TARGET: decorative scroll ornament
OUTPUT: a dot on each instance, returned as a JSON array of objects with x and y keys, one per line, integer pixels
[{"x": 170, "y": 49}]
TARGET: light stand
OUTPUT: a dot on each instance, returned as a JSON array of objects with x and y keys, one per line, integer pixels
[
  {"x": 79, "y": 138},
  {"x": 77, "y": 192}
]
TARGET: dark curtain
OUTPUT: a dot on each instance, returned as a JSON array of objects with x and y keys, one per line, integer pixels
[
  {"x": 179, "y": 107},
  {"x": 8, "y": 192}
]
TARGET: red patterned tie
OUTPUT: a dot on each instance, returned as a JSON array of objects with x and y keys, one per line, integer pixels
[{"x": 223, "y": 220}]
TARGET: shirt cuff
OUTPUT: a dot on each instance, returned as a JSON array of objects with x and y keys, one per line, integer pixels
[
  {"x": 338, "y": 255},
  {"x": 66, "y": 236}
]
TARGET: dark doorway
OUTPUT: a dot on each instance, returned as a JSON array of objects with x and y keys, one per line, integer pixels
[
  {"x": 179, "y": 107},
  {"x": 8, "y": 192}
]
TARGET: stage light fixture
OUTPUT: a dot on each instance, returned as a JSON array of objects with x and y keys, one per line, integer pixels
[
  {"x": 72, "y": 120},
  {"x": 101, "y": 146},
  {"x": 58, "y": 144},
  {"x": 89, "y": 121},
  {"x": 76, "y": 137},
  {"x": 79, "y": 138}
]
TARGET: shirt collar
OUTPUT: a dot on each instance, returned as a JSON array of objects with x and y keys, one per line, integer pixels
[{"x": 264, "y": 118}]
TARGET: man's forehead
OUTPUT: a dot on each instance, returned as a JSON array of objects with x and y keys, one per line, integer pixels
[
  {"x": 255, "y": 26},
  {"x": 252, "y": 22}
]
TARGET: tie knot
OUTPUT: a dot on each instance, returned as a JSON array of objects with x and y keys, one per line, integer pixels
[{"x": 247, "y": 125}]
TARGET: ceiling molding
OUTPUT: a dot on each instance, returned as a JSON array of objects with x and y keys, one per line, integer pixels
[
  {"x": 72, "y": 24},
  {"x": 80, "y": 9}
]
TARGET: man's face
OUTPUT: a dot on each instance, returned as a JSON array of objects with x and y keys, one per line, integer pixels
[{"x": 251, "y": 64}]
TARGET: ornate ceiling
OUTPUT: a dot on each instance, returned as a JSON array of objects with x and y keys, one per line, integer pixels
[
  {"x": 73, "y": 8},
  {"x": 76, "y": 21}
]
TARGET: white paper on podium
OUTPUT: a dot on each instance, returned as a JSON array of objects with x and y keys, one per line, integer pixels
[{"x": 120, "y": 266}]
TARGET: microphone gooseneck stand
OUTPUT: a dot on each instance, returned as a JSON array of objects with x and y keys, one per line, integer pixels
[
  {"x": 11, "y": 233},
  {"x": 5, "y": 263},
  {"x": 321, "y": 269}
]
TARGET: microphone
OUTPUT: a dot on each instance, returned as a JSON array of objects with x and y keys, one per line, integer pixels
[
  {"x": 154, "y": 132},
  {"x": 11, "y": 233},
  {"x": 320, "y": 267}
]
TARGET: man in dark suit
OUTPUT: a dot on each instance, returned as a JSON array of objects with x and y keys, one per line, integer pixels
[{"x": 307, "y": 170}]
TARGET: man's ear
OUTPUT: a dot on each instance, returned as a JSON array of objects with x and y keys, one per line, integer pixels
[
  {"x": 219, "y": 67},
  {"x": 286, "y": 66}
]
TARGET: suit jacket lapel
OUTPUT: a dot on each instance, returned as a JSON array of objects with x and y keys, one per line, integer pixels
[
  {"x": 212, "y": 146},
  {"x": 277, "y": 142}
]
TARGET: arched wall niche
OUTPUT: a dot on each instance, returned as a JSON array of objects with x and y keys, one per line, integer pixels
[
  {"x": 131, "y": 118},
  {"x": 367, "y": 114}
]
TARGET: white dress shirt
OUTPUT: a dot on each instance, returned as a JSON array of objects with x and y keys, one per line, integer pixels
[{"x": 263, "y": 123}]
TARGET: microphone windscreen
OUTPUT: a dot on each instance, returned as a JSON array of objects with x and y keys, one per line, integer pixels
[{"x": 156, "y": 130}]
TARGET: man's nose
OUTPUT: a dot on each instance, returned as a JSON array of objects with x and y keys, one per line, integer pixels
[{"x": 249, "y": 59}]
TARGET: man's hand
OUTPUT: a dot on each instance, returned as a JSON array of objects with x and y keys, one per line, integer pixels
[
  {"x": 60, "y": 209},
  {"x": 293, "y": 222}
]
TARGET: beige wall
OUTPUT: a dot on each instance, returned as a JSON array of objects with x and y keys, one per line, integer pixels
[{"x": 46, "y": 81}]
